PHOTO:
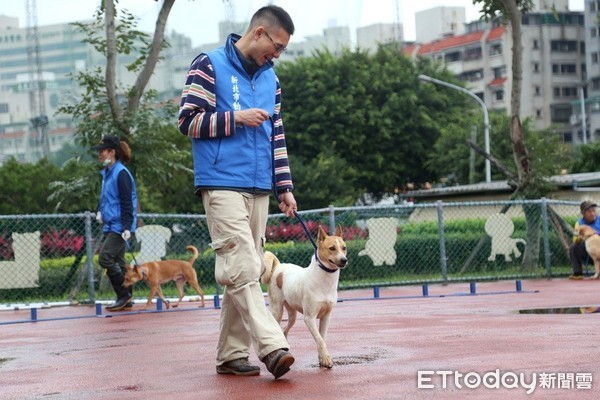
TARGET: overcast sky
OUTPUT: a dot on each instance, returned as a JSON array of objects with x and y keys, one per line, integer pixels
[{"x": 198, "y": 19}]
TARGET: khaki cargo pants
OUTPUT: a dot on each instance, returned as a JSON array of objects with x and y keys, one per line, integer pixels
[{"x": 237, "y": 223}]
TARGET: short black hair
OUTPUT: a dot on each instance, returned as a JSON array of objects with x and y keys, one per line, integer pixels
[{"x": 274, "y": 16}]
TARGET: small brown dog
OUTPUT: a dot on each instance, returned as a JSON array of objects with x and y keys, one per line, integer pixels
[
  {"x": 154, "y": 273},
  {"x": 592, "y": 245}
]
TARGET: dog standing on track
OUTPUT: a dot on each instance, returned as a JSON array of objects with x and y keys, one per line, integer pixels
[
  {"x": 154, "y": 273},
  {"x": 311, "y": 291}
]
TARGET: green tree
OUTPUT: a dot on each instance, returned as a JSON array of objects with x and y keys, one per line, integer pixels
[
  {"x": 25, "y": 186},
  {"x": 587, "y": 158},
  {"x": 367, "y": 112},
  {"x": 160, "y": 152}
]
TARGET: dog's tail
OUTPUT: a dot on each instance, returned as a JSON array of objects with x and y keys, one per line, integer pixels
[
  {"x": 194, "y": 253},
  {"x": 271, "y": 262}
]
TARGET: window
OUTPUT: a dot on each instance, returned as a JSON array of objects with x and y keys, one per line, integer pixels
[
  {"x": 473, "y": 53},
  {"x": 538, "y": 114},
  {"x": 565, "y": 91},
  {"x": 563, "y": 46},
  {"x": 560, "y": 113},
  {"x": 499, "y": 95},
  {"x": 538, "y": 91},
  {"x": 452, "y": 57},
  {"x": 536, "y": 44},
  {"x": 495, "y": 49},
  {"x": 556, "y": 92},
  {"x": 472, "y": 76},
  {"x": 594, "y": 58},
  {"x": 594, "y": 32},
  {"x": 499, "y": 72},
  {"x": 564, "y": 69},
  {"x": 536, "y": 67},
  {"x": 569, "y": 91},
  {"x": 3, "y": 108}
]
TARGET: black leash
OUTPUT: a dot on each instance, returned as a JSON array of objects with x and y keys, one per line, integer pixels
[
  {"x": 130, "y": 251},
  {"x": 302, "y": 223}
]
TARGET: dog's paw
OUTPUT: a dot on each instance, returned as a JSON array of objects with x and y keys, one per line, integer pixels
[{"x": 326, "y": 361}]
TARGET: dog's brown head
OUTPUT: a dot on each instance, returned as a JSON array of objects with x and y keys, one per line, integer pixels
[
  {"x": 134, "y": 274},
  {"x": 332, "y": 249},
  {"x": 585, "y": 232}
]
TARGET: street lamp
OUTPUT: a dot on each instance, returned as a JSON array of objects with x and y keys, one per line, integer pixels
[
  {"x": 581, "y": 85},
  {"x": 486, "y": 118}
]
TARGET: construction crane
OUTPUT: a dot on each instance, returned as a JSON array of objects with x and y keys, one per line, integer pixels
[
  {"x": 37, "y": 97},
  {"x": 229, "y": 15}
]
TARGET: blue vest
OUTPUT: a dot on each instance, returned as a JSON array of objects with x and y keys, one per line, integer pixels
[
  {"x": 110, "y": 205},
  {"x": 595, "y": 225},
  {"x": 243, "y": 160}
]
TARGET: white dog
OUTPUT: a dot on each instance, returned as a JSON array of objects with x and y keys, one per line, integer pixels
[{"x": 311, "y": 291}]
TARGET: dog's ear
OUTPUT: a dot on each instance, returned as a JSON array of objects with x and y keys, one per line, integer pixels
[
  {"x": 138, "y": 271},
  {"x": 338, "y": 231},
  {"x": 321, "y": 234}
]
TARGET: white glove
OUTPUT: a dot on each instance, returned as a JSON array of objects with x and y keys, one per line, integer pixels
[
  {"x": 99, "y": 217},
  {"x": 126, "y": 235}
]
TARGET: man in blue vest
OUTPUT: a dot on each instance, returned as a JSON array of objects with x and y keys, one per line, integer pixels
[
  {"x": 231, "y": 110},
  {"x": 577, "y": 252}
]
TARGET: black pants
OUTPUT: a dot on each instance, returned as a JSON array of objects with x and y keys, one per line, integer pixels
[
  {"x": 112, "y": 258},
  {"x": 578, "y": 256}
]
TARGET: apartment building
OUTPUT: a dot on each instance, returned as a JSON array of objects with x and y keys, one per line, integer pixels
[
  {"x": 590, "y": 85},
  {"x": 62, "y": 53},
  {"x": 439, "y": 22},
  {"x": 554, "y": 62}
]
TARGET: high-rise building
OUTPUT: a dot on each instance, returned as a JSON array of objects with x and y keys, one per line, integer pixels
[
  {"x": 588, "y": 118},
  {"x": 553, "y": 63},
  {"x": 439, "y": 22}
]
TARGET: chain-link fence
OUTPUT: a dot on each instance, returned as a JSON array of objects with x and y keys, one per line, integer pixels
[{"x": 53, "y": 258}]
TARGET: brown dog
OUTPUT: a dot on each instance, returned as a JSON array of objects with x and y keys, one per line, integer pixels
[
  {"x": 154, "y": 273},
  {"x": 592, "y": 245}
]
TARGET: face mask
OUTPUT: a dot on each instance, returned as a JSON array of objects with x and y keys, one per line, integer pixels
[{"x": 106, "y": 162}]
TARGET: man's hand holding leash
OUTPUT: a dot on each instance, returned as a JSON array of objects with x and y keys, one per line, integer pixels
[{"x": 287, "y": 203}]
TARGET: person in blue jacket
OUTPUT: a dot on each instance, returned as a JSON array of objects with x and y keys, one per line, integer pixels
[
  {"x": 231, "y": 110},
  {"x": 117, "y": 211},
  {"x": 577, "y": 251}
]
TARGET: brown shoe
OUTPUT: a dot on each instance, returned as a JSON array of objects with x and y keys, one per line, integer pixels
[
  {"x": 576, "y": 277},
  {"x": 278, "y": 362},
  {"x": 241, "y": 367}
]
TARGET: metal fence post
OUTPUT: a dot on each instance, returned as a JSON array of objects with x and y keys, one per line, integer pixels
[
  {"x": 440, "y": 214},
  {"x": 89, "y": 263},
  {"x": 546, "y": 240},
  {"x": 331, "y": 219}
]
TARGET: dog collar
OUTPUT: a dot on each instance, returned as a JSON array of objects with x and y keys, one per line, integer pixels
[{"x": 323, "y": 267}]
